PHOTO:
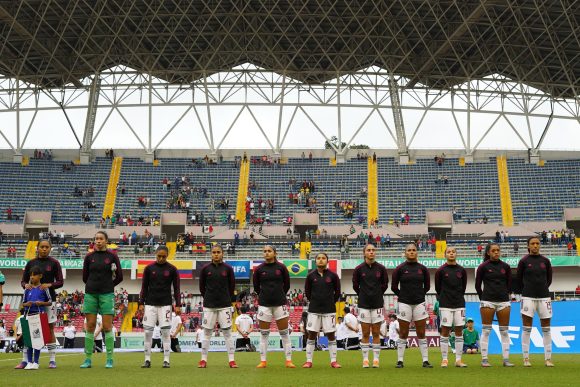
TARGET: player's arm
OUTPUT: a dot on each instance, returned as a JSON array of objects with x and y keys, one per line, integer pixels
[
  {"x": 549, "y": 272},
  {"x": 426, "y": 280},
  {"x": 336, "y": 288},
  {"x": 355, "y": 281},
  {"x": 307, "y": 288},
  {"x": 520, "y": 271},
  {"x": 231, "y": 281},
  {"x": 144, "y": 286},
  {"x": 86, "y": 269},
  {"x": 478, "y": 280},
  {"x": 384, "y": 280},
  {"x": 256, "y": 281},
  {"x": 438, "y": 282},
  {"x": 202, "y": 281},
  {"x": 508, "y": 277},
  {"x": 352, "y": 327},
  {"x": 395, "y": 283},
  {"x": 118, "y": 272},
  {"x": 25, "y": 282},
  {"x": 176, "y": 289},
  {"x": 286, "y": 277},
  {"x": 58, "y": 278}
]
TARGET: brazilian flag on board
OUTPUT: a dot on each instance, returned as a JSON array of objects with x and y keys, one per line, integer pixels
[{"x": 298, "y": 268}]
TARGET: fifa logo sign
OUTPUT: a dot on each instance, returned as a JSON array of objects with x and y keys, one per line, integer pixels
[{"x": 562, "y": 336}]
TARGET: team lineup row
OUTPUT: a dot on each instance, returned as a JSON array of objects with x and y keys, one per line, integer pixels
[{"x": 410, "y": 281}]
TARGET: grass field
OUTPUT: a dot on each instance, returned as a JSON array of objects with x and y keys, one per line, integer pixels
[{"x": 183, "y": 371}]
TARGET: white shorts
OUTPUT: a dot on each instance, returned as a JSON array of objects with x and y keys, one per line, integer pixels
[
  {"x": 452, "y": 317},
  {"x": 269, "y": 313},
  {"x": 497, "y": 306},
  {"x": 157, "y": 314},
  {"x": 371, "y": 316},
  {"x": 51, "y": 313},
  {"x": 529, "y": 306},
  {"x": 412, "y": 312},
  {"x": 326, "y": 321},
  {"x": 223, "y": 316}
]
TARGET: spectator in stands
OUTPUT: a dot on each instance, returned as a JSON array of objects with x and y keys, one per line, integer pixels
[
  {"x": 11, "y": 252},
  {"x": 516, "y": 247},
  {"x": 9, "y": 213}
]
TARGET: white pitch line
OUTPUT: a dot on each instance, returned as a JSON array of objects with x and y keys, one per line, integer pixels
[{"x": 20, "y": 357}]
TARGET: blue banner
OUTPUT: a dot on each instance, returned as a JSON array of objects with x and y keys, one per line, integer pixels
[
  {"x": 241, "y": 269},
  {"x": 565, "y": 323}
]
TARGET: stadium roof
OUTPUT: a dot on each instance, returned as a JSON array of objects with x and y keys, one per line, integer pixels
[{"x": 438, "y": 44}]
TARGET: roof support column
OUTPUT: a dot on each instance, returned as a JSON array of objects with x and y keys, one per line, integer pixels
[
  {"x": 398, "y": 118},
  {"x": 86, "y": 148}
]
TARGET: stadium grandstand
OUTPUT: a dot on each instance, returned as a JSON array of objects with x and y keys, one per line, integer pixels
[{"x": 311, "y": 126}]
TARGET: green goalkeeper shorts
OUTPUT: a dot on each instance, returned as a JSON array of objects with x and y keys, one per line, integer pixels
[{"x": 99, "y": 304}]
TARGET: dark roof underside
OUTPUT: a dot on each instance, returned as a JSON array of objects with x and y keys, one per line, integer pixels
[{"x": 435, "y": 43}]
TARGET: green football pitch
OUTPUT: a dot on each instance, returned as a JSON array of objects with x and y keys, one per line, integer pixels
[{"x": 184, "y": 371}]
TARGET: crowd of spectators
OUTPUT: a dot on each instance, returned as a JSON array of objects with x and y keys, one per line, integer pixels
[
  {"x": 347, "y": 207},
  {"x": 68, "y": 306},
  {"x": 42, "y": 155}
]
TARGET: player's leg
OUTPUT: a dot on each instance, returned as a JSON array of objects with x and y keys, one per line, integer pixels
[
  {"x": 527, "y": 310},
  {"x": 420, "y": 329},
  {"x": 544, "y": 307},
  {"x": 365, "y": 344},
  {"x": 487, "y": 312},
  {"x": 402, "y": 342},
  {"x": 149, "y": 321},
  {"x": 51, "y": 347},
  {"x": 225, "y": 320},
  {"x": 109, "y": 338},
  {"x": 503, "y": 318},
  {"x": 313, "y": 324},
  {"x": 444, "y": 344},
  {"x": 376, "y": 345},
  {"x": 332, "y": 348},
  {"x": 209, "y": 320},
  {"x": 90, "y": 308},
  {"x": 282, "y": 324},
  {"x": 264, "y": 320},
  {"x": 458, "y": 323},
  {"x": 107, "y": 307},
  {"x": 164, "y": 318}
]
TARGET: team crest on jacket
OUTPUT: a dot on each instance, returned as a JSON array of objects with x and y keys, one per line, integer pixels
[
  {"x": 166, "y": 273},
  {"x": 49, "y": 268},
  {"x": 377, "y": 274},
  {"x": 224, "y": 274},
  {"x": 328, "y": 280},
  {"x": 543, "y": 265},
  {"x": 107, "y": 261},
  {"x": 459, "y": 274},
  {"x": 502, "y": 271},
  {"x": 278, "y": 272}
]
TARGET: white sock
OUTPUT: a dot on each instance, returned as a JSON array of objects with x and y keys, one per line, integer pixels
[
  {"x": 376, "y": 351},
  {"x": 505, "y": 342},
  {"x": 24, "y": 355},
  {"x": 444, "y": 344},
  {"x": 148, "y": 337},
  {"x": 526, "y": 332},
  {"x": 401, "y": 346},
  {"x": 365, "y": 350},
  {"x": 286, "y": 344},
  {"x": 484, "y": 341},
  {"x": 423, "y": 349},
  {"x": 332, "y": 350},
  {"x": 264, "y": 343},
  {"x": 458, "y": 347},
  {"x": 51, "y": 351},
  {"x": 547, "y": 337},
  {"x": 166, "y": 340},
  {"x": 229, "y": 343},
  {"x": 309, "y": 349},
  {"x": 205, "y": 343}
]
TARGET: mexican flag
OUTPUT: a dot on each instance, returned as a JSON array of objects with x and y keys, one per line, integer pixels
[{"x": 35, "y": 330}]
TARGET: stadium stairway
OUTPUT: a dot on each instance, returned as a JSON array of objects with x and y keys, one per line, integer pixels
[
  {"x": 127, "y": 325},
  {"x": 372, "y": 191},
  {"x": 31, "y": 249},
  {"x": 172, "y": 247},
  {"x": 504, "y": 192},
  {"x": 577, "y": 246},
  {"x": 242, "y": 192},
  {"x": 109, "y": 206}
]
